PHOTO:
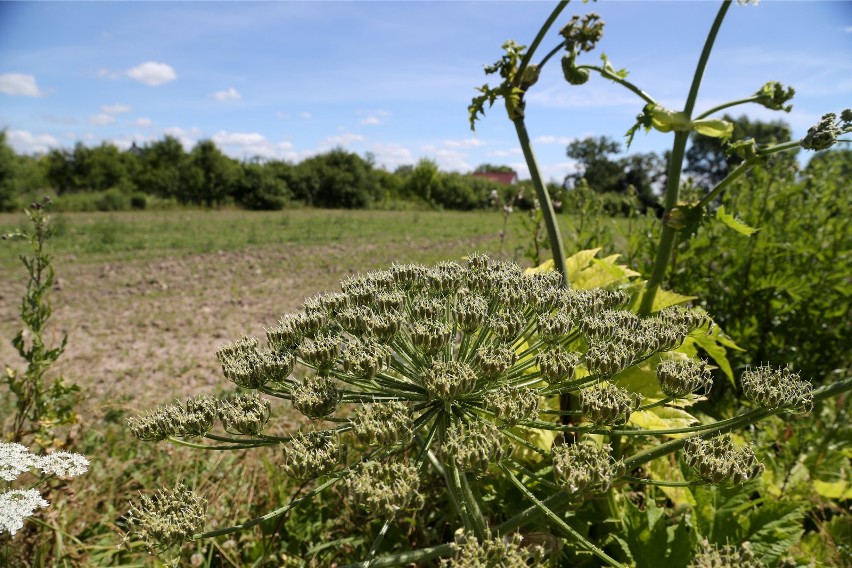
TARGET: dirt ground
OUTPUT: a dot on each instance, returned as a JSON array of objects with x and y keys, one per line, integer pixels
[{"x": 143, "y": 332}]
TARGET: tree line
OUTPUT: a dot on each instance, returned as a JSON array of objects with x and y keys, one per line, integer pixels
[{"x": 205, "y": 176}]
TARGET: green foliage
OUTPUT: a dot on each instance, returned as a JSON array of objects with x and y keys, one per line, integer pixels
[
  {"x": 652, "y": 539},
  {"x": 40, "y": 404}
]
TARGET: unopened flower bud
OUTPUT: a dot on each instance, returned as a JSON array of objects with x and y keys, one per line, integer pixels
[
  {"x": 824, "y": 134},
  {"x": 506, "y": 325},
  {"x": 552, "y": 327},
  {"x": 320, "y": 352},
  {"x": 718, "y": 459},
  {"x": 430, "y": 336},
  {"x": 363, "y": 359},
  {"x": 168, "y": 518},
  {"x": 469, "y": 312}
]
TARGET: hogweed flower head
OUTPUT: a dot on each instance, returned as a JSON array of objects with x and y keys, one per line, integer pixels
[
  {"x": 680, "y": 377},
  {"x": 718, "y": 459},
  {"x": 584, "y": 466},
  {"x": 16, "y": 505},
  {"x": 727, "y": 556},
  {"x": 494, "y": 552},
  {"x": 605, "y": 404},
  {"x": 245, "y": 414},
  {"x": 168, "y": 518},
  {"x": 311, "y": 455},
  {"x": 385, "y": 488},
  {"x": 474, "y": 446},
  {"x": 382, "y": 423},
  {"x": 777, "y": 388}
]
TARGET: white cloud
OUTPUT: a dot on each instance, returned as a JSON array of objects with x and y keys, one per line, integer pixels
[
  {"x": 344, "y": 139},
  {"x": 251, "y": 144},
  {"x": 27, "y": 143},
  {"x": 106, "y": 73},
  {"x": 230, "y": 95},
  {"x": 153, "y": 73},
  {"x": 116, "y": 108},
  {"x": 506, "y": 153},
  {"x": 371, "y": 121},
  {"x": 187, "y": 138},
  {"x": 142, "y": 121},
  {"x": 19, "y": 84},
  {"x": 848, "y": 29},
  {"x": 547, "y": 139},
  {"x": 305, "y": 115},
  {"x": 464, "y": 143},
  {"x": 450, "y": 160},
  {"x": 375, "y": 117},
  {"x": 282, "y": 115},
  {"x": 101, "y": 119},
  {"x": 56, "y": 119},
  {"x": 391, "y": 156}
]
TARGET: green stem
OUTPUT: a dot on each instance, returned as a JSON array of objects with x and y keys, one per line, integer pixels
[
  {"x": 667, "y": 236},
  {"x": 729, "y": 104},
  {"x": 621, "y": 81},
  {"x": 376, "y": 543},
  {"x": 544, "y": 200},
  {"x": 660, "y": 482},
  {"x": 409, "y": 558},
  {"x": 558, "y": 521},
  {"x": 537, "y": 41}
]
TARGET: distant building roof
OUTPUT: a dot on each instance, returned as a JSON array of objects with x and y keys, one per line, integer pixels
[{"x": 506, "y": 178}]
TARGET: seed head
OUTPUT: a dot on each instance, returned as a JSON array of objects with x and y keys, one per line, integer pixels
[
  {"x": 447, "y": 381},
  {"x": 156, "y": 425},
  {"x": 718, "y": 459},
  {"x": 506, "y": 325},
  {"x": 363, "y": 359},
  {"x": 513, "y": 404},
  {"x": 680, "y": 377},
  {"x": 605, "y": 404},
  {"x": 728, "y": 556},
  {"x": 493, "y": 360},
  {"x": 430, "y": 335},
  {"x": 245, "y": 414},
  {"x": 382, "y": 423},
  {"x": 316, "y": 397},
  {"x": 777, "y": 388},
  {"x": 311, "y": 455},
  {"x": 470, "y": 311},
  {"x": 495, "y": 552},
  {"x": 384, "y": 489},
  {"x": 474, "y": 446},
  {"x": 168, "y": 518},
  {"x": 552, "y": 327},
  {"x": 557, "y": 365},
  {"x": 585, "y": 467},
  {"x": 320, "y": 352}
]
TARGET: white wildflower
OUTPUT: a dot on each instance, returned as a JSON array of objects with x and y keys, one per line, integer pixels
[
  {"x": 15, "y": 459},
  {"x": 16, "y": 505},
  {"x": 63, "y": 464}
]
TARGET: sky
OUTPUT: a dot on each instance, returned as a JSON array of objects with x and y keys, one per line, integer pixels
[{"x": 288, "y": 80}]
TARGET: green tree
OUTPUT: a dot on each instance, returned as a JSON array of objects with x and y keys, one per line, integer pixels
[
  {"x": 211, "y": 176},
  {"x": 423, "y": 181},
  {"x": 337, "y": 179},
  {"x": 8, "y": 170},
  {"x": 260, "y": 188},
  {"x": 162, "y": 167}
]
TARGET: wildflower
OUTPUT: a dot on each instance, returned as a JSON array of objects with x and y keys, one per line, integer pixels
[
  {"x": 777, "y": 388},
  {"x": 63, "y": 464},
  {"x": 15, "y": 459},
  {"x": 16, "y": 505},
  {"x": 585, "y": 467},
  {"x": 718, "y": 459},
  {"x": 494, "y": 552},
  {"x": 384, "y": 488}
]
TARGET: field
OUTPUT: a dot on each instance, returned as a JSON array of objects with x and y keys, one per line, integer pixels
[{"x": 146, "y": 298}]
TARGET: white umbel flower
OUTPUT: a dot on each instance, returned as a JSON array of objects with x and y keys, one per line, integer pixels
[
  {"x": 15, "y": 459},
  {"x": 63, "y": 464},
  {"x": 16, "y": 505}
]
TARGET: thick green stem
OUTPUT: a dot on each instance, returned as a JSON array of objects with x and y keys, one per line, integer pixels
[
  {"x": 621, "y": 81},
  {"x": 667, "y": 237},
  {"x": 537, "y": 41},
  {"x": 728, "y": 104},
  {"x": 544, "y": 200}
]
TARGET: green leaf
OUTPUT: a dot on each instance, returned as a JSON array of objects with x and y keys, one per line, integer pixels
[
  {"x": 713, "y": 128},
  {"x": 718, "y": 511},
  {"x": 652, "y": 540},
  {"x": 773, "y": 528},
  {"x": 607, "y": 65},
  {"x": 733, "y": 223},
  {"x": 663, "y": 418},
  {"x": 714, "y": 342}
]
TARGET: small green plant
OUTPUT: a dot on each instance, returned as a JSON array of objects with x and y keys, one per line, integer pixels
[{"x": 40, "y": 404}]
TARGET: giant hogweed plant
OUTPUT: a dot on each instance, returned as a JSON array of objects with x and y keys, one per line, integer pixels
[{"x": 451, "y": 374}]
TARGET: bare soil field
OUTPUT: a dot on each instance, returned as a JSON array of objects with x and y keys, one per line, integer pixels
[{"x": 143, "y": 328}]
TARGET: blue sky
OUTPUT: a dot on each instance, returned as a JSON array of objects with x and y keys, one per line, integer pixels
[{"x": 289, "y": 80}]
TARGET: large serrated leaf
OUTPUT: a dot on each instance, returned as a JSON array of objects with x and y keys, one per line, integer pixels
[
  {"x": 732, "y": 222},
  {"x": 773, "y": 528},
  {"x": 714, "y": 343},
  {"x": 652, "y": 540},
  {"x": 663, "y": 418}
]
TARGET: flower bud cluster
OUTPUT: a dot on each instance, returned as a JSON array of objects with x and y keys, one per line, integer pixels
[
  {"x": 606, "y": 405},
  {"x": 447, "y": 381},
  {"x": 364, "y": 359},
  {"x": 728, "y": 556},
  {"x": 495, "y": 552},
  {"x": 168, "y": 518},
  {"x": 474, "y": 446},
  {"x": 321, "y": 351},
  {"x": 777, "y": 388},
  {"x": 718, "y": 459},
  {"x": 585, "y": 467},
  {"x": 382, "y": 423},
  {"x": 680, "y": 377},
  {"x": 248, "y": 367},
  {"x": 557, "y": 365},
  {"x": 493, "y": 360},
  {"x": 608, "y": 359},
  {"x": 513, "y": 404},
  {"x": 470, "y": 311},
  {"x": 245, "y": 414},
  {"x": 192, "y": 419},
  {"x": 824, "y": 134},
  {"x": 316, "y": 396},
  {"x": 311, "y": 455},
  {"x": 431, "y": 335},
  {"x": 553, "y": 326},
  {"x": 384, "y": 489}
]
